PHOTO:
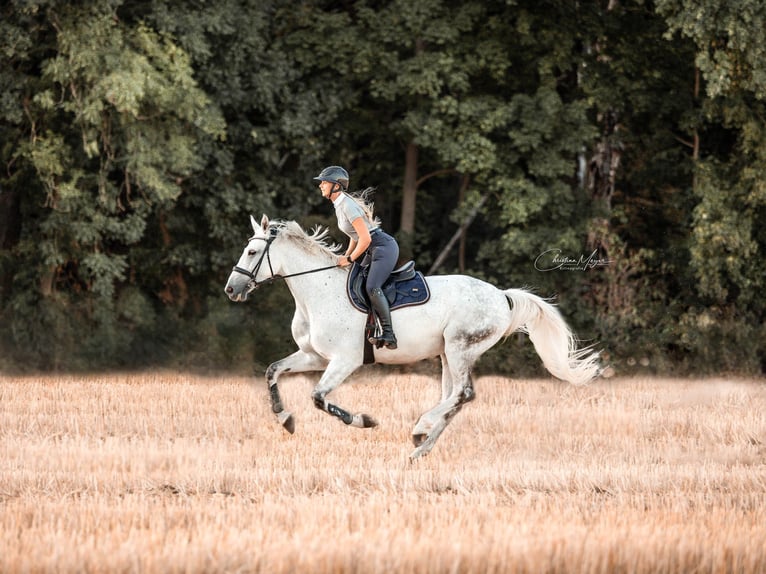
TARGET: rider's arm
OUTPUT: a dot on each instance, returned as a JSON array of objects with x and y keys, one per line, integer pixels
[
  {"x": 360, "y": 226},
  {"x": 350, "y": 249}
]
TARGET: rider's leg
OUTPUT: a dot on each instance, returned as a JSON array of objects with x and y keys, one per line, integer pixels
[
  {"x": 384, "y": 253},
  {"x": 383, "y": 311}
]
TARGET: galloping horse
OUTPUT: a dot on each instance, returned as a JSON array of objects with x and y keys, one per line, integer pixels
[{"x": 463, "y": 318}]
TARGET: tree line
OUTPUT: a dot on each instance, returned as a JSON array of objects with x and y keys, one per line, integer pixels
[{"x": 608, "y": 153}]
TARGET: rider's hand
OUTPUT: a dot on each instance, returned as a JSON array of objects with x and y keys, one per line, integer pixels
[{"x": 344, "y": 261}]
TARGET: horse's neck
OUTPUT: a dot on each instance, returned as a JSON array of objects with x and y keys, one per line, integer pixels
[{"x": 308, "y": 288}]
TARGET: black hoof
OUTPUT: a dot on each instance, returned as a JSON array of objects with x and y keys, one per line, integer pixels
[
  {"x": 289, "y": 424},
  {"x": 418, "y": 439},
  {"x": 368, "y": 422}
]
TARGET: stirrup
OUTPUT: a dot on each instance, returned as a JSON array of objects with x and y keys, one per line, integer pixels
[{"x": 383, "y": 340}]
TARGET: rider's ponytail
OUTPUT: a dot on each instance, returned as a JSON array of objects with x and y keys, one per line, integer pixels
[{"x": 364, "y": 200}]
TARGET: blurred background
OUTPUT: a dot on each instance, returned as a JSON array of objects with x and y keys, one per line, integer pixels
[{"x": 626, "y": 137}]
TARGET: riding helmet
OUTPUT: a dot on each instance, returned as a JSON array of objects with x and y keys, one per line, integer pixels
[{"x": 334, "y": 174}]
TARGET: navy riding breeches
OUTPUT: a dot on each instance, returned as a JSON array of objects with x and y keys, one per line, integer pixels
[{"x": 382, "y": 255}]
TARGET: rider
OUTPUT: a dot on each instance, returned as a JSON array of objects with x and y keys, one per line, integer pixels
[{"x": 367, "y": 240}]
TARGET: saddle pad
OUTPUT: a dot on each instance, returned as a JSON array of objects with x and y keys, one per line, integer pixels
[{"x": 406, "y": 293}]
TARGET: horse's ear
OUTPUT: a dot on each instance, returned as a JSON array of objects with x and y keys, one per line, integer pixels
[
  {"x": 265, "y": 223},
  {"x": 254, "y": 223}
]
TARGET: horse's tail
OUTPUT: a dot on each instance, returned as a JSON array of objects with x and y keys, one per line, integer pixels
[{"x": 553, "y": 340}]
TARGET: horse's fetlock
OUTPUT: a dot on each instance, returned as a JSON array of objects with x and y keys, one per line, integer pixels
[
  {"x": 318, "y": 399},
  {"x": 276, "y": 400},
  {"x": 468, "y": 394}
]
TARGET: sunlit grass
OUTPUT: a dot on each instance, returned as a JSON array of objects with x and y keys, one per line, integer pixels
[{"x": 178, "y": 473}]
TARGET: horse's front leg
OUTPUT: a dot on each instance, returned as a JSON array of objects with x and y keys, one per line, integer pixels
[
  {"x": 337, "y": 371},
  {"x": 298, "y": 362}
]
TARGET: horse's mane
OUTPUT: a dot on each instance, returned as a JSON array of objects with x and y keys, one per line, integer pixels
[{"x": 318, "y": 241}]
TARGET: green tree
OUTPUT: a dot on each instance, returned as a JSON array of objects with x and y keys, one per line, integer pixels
[
  {"x": 725, "y": 325},
  {"x": 641, "y": 89},
  {"x": 108, "y": 136},
  {"x": 272, "y": 74},
  {"x": 137, "y": 137},
  {"x": 469, "y": 92}
]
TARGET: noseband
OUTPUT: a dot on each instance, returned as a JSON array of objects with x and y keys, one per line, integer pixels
[{"x": 253, "y": 283}]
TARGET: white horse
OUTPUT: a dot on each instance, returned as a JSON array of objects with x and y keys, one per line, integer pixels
[{"x": 463, "y": 319}]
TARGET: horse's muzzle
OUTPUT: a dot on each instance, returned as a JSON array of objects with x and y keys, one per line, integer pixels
[{"x": 234, "y": 296}]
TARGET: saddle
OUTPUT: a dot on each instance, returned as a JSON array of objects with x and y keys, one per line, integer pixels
[{"x": 405, "y": 287}]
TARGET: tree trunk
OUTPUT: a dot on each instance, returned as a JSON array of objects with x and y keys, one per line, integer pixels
[
  {"x": 696, "y": 143},
  {"x": 409, "y": 188},
  {"x": 458, "y": 235},
  {"x": 409, "y": 191}
]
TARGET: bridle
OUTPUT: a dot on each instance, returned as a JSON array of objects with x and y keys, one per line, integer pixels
[{"x": 253, "y": 283}]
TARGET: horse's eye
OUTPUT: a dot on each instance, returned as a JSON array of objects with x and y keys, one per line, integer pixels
[{"x": 251, "y": 252}]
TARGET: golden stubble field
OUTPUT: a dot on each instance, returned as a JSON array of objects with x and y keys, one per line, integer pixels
[{"x": 169, "y": 472}]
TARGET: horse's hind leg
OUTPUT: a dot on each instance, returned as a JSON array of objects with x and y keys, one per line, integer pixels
[
  {"x": 427, "y": 420},
  {"x": 337, "y": 372},
  {"x": 432, "y": 424},
  {"x": 458, "y": 359},
  {"x": 446, "y": 378},
  {"x": 298, "y": 362}
]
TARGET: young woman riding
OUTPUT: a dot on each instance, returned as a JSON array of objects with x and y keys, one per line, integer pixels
[{"x": 367, "y": 241}]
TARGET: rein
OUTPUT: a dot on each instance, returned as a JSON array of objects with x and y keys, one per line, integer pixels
[{"x": 253, "y": 284}]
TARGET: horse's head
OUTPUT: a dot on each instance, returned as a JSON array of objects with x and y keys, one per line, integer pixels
[{"x": 254, "y": 265}]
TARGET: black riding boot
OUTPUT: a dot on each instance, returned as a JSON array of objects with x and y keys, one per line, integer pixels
[{"x": 383, "y": 311}]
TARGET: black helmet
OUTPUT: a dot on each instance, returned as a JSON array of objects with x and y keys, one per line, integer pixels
[{"x": 334, "y": 174}]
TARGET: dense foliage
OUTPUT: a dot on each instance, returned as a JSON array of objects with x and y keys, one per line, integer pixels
[{"x": 137, "y": 137}]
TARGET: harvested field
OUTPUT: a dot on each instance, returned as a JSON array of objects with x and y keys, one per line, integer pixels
[{"x": 171, "y": 472}]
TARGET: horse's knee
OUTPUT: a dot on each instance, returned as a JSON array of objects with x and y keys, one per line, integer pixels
[
  {"x": 467, "y": 395},
  {"x": 274, "y": 370}
]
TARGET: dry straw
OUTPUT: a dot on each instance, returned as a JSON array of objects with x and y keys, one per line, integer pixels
[{"x": 178, "y": 473}]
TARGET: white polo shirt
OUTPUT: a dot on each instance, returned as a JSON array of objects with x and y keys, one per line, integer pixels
[{"x": 347, "y": 210}]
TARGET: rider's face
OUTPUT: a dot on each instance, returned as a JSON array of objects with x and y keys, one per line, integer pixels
[{"x": 326, "y": 187}]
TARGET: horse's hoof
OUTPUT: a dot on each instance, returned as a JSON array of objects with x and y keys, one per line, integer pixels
[
  {"x": 418, "y": 439},
  {"x": 363, "y": 421},
  {"x": 287, "y": 420},
  {"x": 368, "y": 422},
  {"x": 417, "y": 453}
]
